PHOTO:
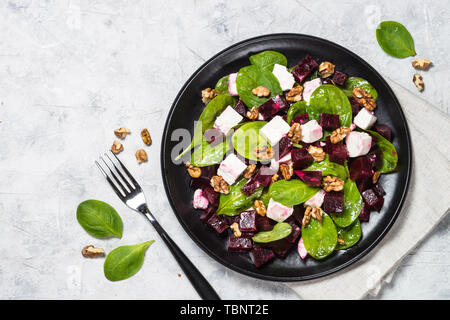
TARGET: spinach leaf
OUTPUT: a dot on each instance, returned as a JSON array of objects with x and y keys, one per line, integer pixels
[
  {"x": 354, "y": 82},
  {"x": 296, "y": 109},
  {"x": 99, "y": 219},
  {"x": 236, "y": 201},
  {"x": 247, "y": 138},
  {"x": 350, "y": 235},
  {"x": 206, "y": 120},
  {"x": 328, "y": 168},
  {"x": 222, "y": 86},
  {"x": 291, "y": 192},
  {"x": 352, "y": 205},
  {"x": 251, "y": 77},
  {"x": 205, "y": 155},
  {"x": 280, "y": 230},
  {"x": 125, "y": 261},
  {"x": 267, "y": 59},
  {"x": 395, "y": 39},
  {"x": 390, "y": 157},
  {"x": 320, "y": 238},
  {"x": 330, "y": 99}
]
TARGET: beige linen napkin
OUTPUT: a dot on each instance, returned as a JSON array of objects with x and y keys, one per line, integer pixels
[{"x": 426, "y": 204}]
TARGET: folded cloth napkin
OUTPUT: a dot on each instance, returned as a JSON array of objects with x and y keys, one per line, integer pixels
[{"x": 426, "y": 204}]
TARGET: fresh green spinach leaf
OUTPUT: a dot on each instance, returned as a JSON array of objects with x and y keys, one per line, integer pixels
[
  {"x": 395, "y": 39},
  {"x": 390, "y": 156},
  {"x": 247, "y": 138},
  {"x": 354, "y": 82},
  {"x": 296, "y": 109},
  {"x": 280, "y": 230},
  {"x": 291, "y": 192},
  {"x": 222, "y": 86},
  {"x": 236, "y": 201},
  {"x": 320, "y": 238},
  {"x": 267, "y": 59},
  {"x": 330, "y": 99},
  {"x": 205, "y": 155},
  {"x": 99, "y": 219},
  {"x": 352, "y": 205},
  {"x": 328, "y": 168},
  {"x": 350, "y": 235}
]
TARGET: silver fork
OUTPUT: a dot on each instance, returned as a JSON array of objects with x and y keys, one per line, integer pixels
[{"x": 129, "y": 191}]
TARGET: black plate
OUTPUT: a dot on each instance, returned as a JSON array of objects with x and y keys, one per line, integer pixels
[{"x": 187, "y": 108}]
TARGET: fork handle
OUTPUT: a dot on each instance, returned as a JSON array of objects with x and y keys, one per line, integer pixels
[{"x": 201, "y": 285}]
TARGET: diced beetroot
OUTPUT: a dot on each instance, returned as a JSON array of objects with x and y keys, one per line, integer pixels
[
  {"x": 375, "y": 157},
  {"x": 301, "y": 118},
  {"x": 333, "y": 202},
  {"x": 241, "y": 108},
  {"x": 383, "y": 130},
  {"x": 339, "y": 78},
  {"x": 364, "y": 215},
  {"x": 327, "y": 145},
  {"x": 264, "y": 175},
  {"x": 206, "y": 214},
  {"x": 329, "y": 121},
  {"x": 272, "y": 106},
  {"x": 263, "y": 223},
  {"x": 355, "y": 106},
  {"x": 250, "y": 187},
  {"x": 229, "y": 220},
  {"x": 247, "y": 234},
  {"x": 212, "y": 196},
  {"x": 301, "y": 158},
  {"x": 205, "y": 179},
  {"x": 360, "y": 169},
  {"x": 304, "y": 68},
  {"x": 280, "y": 247},
  {"x": 284, "y": 147},
  {"x": 374, "y": 141},
  {"x": 298, "y": 214},
  {"x": 217, "y": 223},
  {"x": 311, "y": 178},
  {"x": 379, "y": 204},
  {"x": 369, "y": 197},
  {"x": 239, "y": 244},
  {"x": 247, "y": 221},
  {"x": 378, "y": 189},
  {"x": 363, "y": 184},
  {"x": 261, "y": 256},
  {"x": 296, "y": 231},
  {"x": 338, "y": 154}
]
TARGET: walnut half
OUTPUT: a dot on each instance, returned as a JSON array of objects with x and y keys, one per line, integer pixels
[
  {"x": 339, "y": 134},
  {"x": 235, "y": 227},
  {"x": 364, "y": 98},
  {"x": 330, "y": 183},
  {"x": 326, "y": 69},
  {"x": 220, "y": 185},
  {"x": 295, "y": 94},
  {"x": 261, "y": 91},
  {"x": 117, "y": 147},
  {"x": 317, "y": 153},
  {"x": 287, "y": 171},
  {"x": 316, "y": 213},
  {"x": 91, "y": 252},
  {"x": 260, "y": 207},
  {"x": 145, "y": 135},
  {"x": 194, "y": 172},
  {"x": 295, "y": 133},
  {"x": 422, "y": 64},
  {"x": 141, "y": 156},
  {"x": 418, "y": 81},
  {"x": 121, "y": 133}
]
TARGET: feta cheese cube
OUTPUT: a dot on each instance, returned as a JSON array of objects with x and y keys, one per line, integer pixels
[
  {"x": 311, "y": 131},
  {"x": 200, "y": 201},
  {"x": 277, "y": 211},
  {"x": 316, "y": 200},
  {"x": 232, "y": 89},
  {"x": 364, "y": 119},
  {"x": 231, "y": 168},
  {"x": 309, "y": 87},
  {"x": 358, "y": 143},
  {"x": 285, "y": 78},
  {"x": 301, "y": 249},
  {"x": 274, "y": 130},
  {"x": 227, "y": 120}
]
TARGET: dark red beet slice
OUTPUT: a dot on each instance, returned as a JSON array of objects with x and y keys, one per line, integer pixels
[
  {"x": 311, "y": 178},
  {"x": 375, "y": 157},
  {"x": 383, "y": 130},
  {"x": 264, "y": 175},
  {"x": 298, "y": 214},
  {"x": 247, "y": 234},
  {"x": 241, "y": 108},
  {"x": 250, "y": 187},
  {"x": 261, "y": 256},
  {"x": 301, "y": 118},
  {"x": 205, "y": 179},
  {"x": 355, "y": 106},
  {"x": 212, "y": 196},
  {"x": 379, "y": 204},
  {"x": 247, "y": 221},
  {"x": 284, "y": 147},
  {"x": 338, "y": 154},
  {"x": 263, "y": 223},
  {"x": 206, "y": 214},
  {"x": 229, "y": 220},
  {"x": 217, "y": 223},
  {"x": 339, "y": 78},
  {"x": 239, "y": 244},
  {"x": 360, "y": 169},
  {"x": 333, "y": 202},
  {"x": 304, "y": 68},
  {"x": 378, "y": 189},
  {"x": 296, "y": 231},
  {"x": 364, "y": 215},
  {"x": 328, "y": 146},
  {"x": 363, "y": 184},
  {"x": 301, "y": 158},
  {"x": 272, "y": 106},
  {"x": 329, "y": 121},
  {"x": 369, "y": 197}
]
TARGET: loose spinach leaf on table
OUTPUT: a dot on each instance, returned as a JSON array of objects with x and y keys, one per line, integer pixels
[
  {"x": 395, "y": 39},
  {"x": 291, "y": 192},
  {"x": 280, "y": 230},
  {"x": 320, "y": 238},
  {"x": 205, "y": 155},
  {"x": 296, "y": 109},
  {"x": 99, "y": 219},
  {"x": 354, "y": 82},
  {"x": 330, "y": 99},
  {"x": 267, "y": 59},
  {"x": 352, "y": 205},
  {"x": 390, "y": 157},
  {"x": 251, "y": 77},
  {"x": 222, "y": 86},
  {"x": 236, "y": 201},
  {"x": 125, "y": 261},
  {"x": 328, "y": 168},
  {"x": 350, "y": 235},
  {"x": 247, "y": 138}
]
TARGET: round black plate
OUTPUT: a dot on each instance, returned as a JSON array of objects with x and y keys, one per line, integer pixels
[{"x": 187, "y": 108}]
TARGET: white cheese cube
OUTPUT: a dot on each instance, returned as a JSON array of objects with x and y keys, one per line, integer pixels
[
  {"x": 301, "y": 249},
  {"x": 316, "y": 200},
  {"x": 231, "y": 168},
  {"x": 309, "y": 87},
  {"x": 285, "y": 78},
  {"x": 358, "y": 143},
  {"x": 365, "y": 119},
  {"x": 277, "y": 211},
  {"x": 227, "y": 120},
  {"x": 232, "y": 89},
  {"x": 200, "y": 201},
  {"x": 311, "y": 131},
  {"x": 274, "y": 130}
]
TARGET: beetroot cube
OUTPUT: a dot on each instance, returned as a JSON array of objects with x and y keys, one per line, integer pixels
[
  {"x": 241, "y": 108},
  {"x": 263, "y": 223},
  {"x": 239, "y": 244},
  {"x": 212, "y": 196},
  {"x": 229, "y": 220},
  {"x": 339, "y": 78},
  {"x": 355, "y": 106},
  {"x": 379, "y": 204},
  {"x": 338, "y": 154},
  {"x": 293, "y": 236},
  {"x": 333, "y": 202},
  {"x": 304, "y": 68},
  {"x": 272, "y": 106},
  {"x": 247, "y": 221},
  {"x": 280, "y": 247},
  {"x": 364, "y": 215},
  {"x": 206, "y": 214},
  {"x": 264, "y": 175},
  {"x": 301, "y": 118},
  {"x": 375, "y": 157},
  {"x": 284, "y": 147},
  {"x": 329, "y": 121},
  {"x": 280, "y": 103},
  {"x": 301, "y": 158},
  {"x": 383, "y": 130},
  {"x": 379, "y": 191},
  {"x": 363, "y": 184},
  {"x": 250, "y": 187},
  {"x": 370, "y": 197},
  {"x": 360, "y": 169},
  {"x": 311, "y": 178},
  {"x": 297, "y": 215},
  {"x": 247, "y": 234},
  {"x": 261, "y": 256},
  {"x": 327, "y": 146},
  {"x": 217, "y": 223}
]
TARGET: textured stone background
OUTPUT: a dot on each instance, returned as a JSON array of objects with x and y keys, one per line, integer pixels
[{"x": 72, "y": 71}]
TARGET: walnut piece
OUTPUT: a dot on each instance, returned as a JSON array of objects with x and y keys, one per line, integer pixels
[
  {"x": 146, "y": 137},
  {"x": 235, "y": 227},
  {"x": 260, "y": 208},
  {"x": 375, "y": 177},
  {"x": 248, "y": 173},
  {"x": 261, "y": 91},
  {"x": 295, "y": 133},
  {"x": 307, "y": 215},
  {"x": 364, "y": 98},
  {"x": 330, "y": 183},
  {"x": 339, "y": 134},
  {"x": 340, "y": 240},
  {"x": 317, "y": 153},
  {"x": 326, "y": 69},
  {"x": 274, "y": 178},
  {"x": 263, "y": 153},
  {"x": 141, "y": 156},
  {"x": 220, "y": 185},
  {"x": 91, "y": 252},
  {"x": 208, "y": 94},
  {"x": 317, "y": 214},
  {"x": 121, "y": 133},
  {"x": 194, "y": 172},
  {"x": 287, "y": 170},
  {"x": 420, "y": 63},
  {"x": 116, "y": 147},
  {"x": 253, "y": 113},
  {"x": 418, "y": 81},
  {"x": 295, "y": 94}
]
